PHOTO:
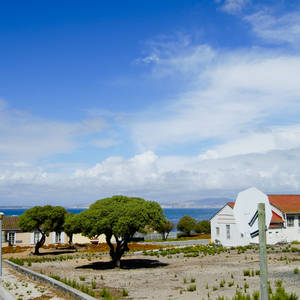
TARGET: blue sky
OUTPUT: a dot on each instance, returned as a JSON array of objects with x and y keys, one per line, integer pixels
[{"x": 168, "y": 100}]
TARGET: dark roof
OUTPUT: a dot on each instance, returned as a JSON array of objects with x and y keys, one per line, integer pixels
[{"x": 10, "y": 223}]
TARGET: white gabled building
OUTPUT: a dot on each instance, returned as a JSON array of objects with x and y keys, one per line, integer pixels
[{"x": 284, "y": 227}]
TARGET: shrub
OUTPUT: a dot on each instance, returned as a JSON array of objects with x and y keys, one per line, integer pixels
[
  {"x": 104, "y": 293},
  {"x": 186, "y": 224},
  {"x": 296, "y": 271},
  {"x": 222, "y": 283},
  {"x": 203, "y": 227},
  {"x": 192, "y": 288}
]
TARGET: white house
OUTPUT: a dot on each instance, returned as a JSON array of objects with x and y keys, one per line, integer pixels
[{"x": 284, "y": 226}]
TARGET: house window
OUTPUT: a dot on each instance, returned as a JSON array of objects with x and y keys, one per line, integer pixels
[
  {"x": 11, "y": 238},
  {"x": 217, "y": 230},
  {"x": 298, "y": 220},
  {"x": 228, "y": 231},
  {"x": 290, "y": 221},
  {"x": 36, "y": 237}
]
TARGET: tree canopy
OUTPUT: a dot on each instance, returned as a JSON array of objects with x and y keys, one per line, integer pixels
[
  {"x": 120, "y": 217},
  {"x": 203, "y": 227},
  {"x": 186, "y": 224},
  {"x": 43, "y": 219},
  {"x": 72, "y": 225},
  {"x": 164, "y": 228}
]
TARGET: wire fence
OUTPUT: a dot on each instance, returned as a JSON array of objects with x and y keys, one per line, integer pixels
[{"x": 153, "y": 236}]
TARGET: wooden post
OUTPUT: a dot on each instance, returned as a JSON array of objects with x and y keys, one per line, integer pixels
[
  {"x": 263, "y": 252},
  {"x": 1, "y": 217}
]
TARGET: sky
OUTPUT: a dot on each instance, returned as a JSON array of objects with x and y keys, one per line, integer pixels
[{"x": 171, "y": 101}]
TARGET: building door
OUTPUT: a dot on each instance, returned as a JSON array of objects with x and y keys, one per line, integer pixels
[{"x": 11, "y": 238}]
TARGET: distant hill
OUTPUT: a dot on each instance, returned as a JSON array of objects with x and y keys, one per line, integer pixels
[{"x": 203, "y": 203}]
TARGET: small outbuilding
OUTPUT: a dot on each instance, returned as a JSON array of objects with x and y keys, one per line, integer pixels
[{"x": 284, "y": 226}]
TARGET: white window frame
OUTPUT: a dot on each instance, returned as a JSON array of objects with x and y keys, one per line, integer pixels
[
  {"x": 217, "y": 231},
  {"x": 11, "y": 241}
]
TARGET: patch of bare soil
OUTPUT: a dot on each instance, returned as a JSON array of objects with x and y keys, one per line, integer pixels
[{"x": 174, "y": 277}]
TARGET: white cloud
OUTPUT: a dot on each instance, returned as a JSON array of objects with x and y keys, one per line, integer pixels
[
  {"x": 234, "y": 6},
  {"x": 239, "y": 92},
  {"x": 277, "y": 138},
  {"x": 281, "y": 29},
  {"x": 26, "y": 137},
  {"x": 161, "y": 178},
  {"x": 171, "y": 55}
]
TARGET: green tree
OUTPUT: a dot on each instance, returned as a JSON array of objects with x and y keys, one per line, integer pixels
[
  {"x": 164, "y": 228},
  {"x": 72, "y": 225},
  {"x": 120, "y": 217},
  {"x": 186, "y": 224},
  {"x": 203, "y": 227},
  {"x": 44, "y": 219}
]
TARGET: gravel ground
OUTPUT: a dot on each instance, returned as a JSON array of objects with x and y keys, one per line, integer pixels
[
  {"x": 146, "y": 277},
  {"x": 20, "y": 287},
  {"x": 171, "y": 277}
]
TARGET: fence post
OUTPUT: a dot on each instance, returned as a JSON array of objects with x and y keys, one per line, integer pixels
[{"x": 263, "y": 252}]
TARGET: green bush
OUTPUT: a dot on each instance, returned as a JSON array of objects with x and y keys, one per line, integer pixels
[
  {"x": 192, "y": 288},
  {"x": 186, "y": 224},
  {"x": 124, "y": 293},
  {"x": 203, "y": 227}
]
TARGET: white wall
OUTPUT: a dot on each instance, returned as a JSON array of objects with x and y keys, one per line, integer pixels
[
  {"x": 221, "y": 219},
  {"x": 274, "y": 235},
  {"x": 293, "y": 233}
]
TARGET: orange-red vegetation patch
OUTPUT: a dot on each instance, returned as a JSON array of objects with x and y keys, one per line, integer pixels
[
  {"x": 11, "y": 249},
  {"x": 204, "y": 236}
]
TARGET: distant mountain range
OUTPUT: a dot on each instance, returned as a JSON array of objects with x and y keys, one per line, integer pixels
[{"x": 203, "y": 203}]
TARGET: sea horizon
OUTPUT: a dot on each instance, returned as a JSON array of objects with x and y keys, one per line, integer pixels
[{"x": 173, "y": 214}]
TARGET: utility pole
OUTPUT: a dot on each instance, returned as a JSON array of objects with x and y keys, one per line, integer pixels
[{"x": 263, "y": 252}]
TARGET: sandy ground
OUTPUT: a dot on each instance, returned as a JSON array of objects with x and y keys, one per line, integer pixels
[{"x": 148, "y": 277}]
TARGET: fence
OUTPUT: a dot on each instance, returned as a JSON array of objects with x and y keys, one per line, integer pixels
[{"x": 153, "y": 236}]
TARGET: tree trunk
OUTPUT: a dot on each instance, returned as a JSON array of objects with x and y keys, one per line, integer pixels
[
  {"x": 117, "y": 252},
  {"x": 71, "y": 240},
  {"x": 40, "y": 243},
  {"x": 117, "y": 261}
]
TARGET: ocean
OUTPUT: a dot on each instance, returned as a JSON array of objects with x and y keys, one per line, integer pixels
[{"x": 172, "y": 214}]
